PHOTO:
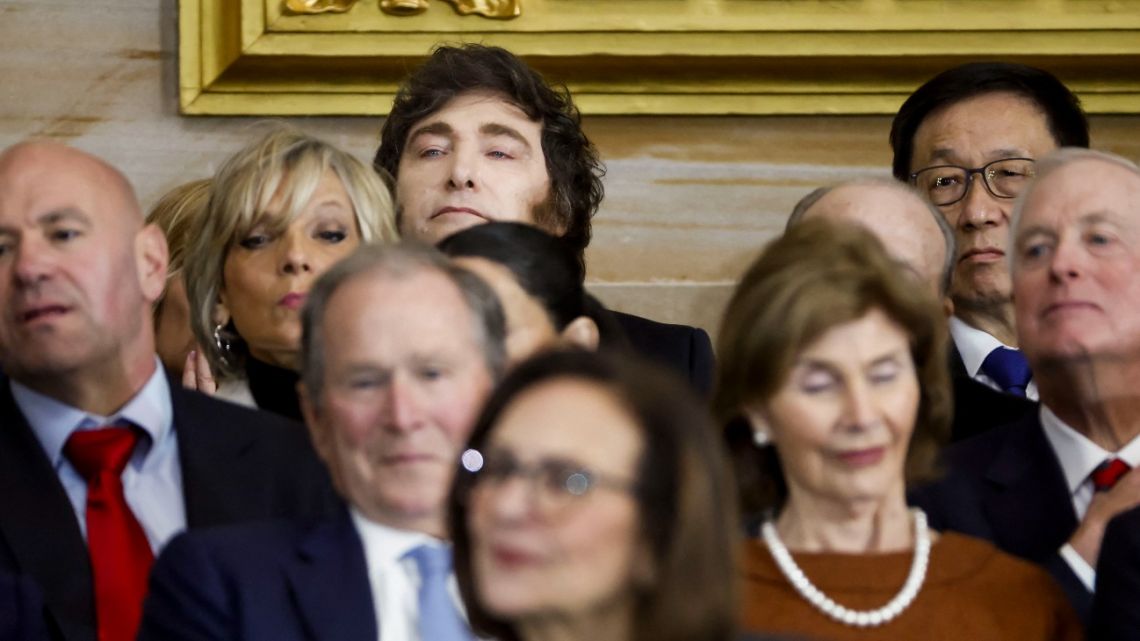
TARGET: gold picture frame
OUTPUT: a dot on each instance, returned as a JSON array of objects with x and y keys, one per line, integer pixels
[{"x": 706, "y": 57}]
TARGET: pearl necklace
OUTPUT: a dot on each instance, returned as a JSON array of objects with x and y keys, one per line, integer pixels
[{"x": 857, "y": 618}]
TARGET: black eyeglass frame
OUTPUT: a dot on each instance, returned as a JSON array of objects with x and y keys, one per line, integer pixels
[
  {"x": 969, "y": 178},
  {"x": 535, "y": 474}
]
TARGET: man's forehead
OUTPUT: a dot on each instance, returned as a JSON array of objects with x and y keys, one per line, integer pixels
[
  {"x": 39, "y": 178},
  {"x": 1086, "y": 190},
  {"x": 474, "y": 109}
]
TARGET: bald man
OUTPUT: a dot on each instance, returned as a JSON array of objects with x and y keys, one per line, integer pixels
[
  {"x": 101, "y": 459},
  {"x": 918, "y": 237}
]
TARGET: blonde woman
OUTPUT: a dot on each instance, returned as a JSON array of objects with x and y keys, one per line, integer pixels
[{"x": 281, "y": 211}]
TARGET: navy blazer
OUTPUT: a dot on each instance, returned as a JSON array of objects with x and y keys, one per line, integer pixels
[
  {"x": 1006, "y": 486},
  {"x": 685, "y": 350},
  {"x": 1115, "y": 615},
  {"x": 237, "y": 465},
  {"x": 277, "y": 581}
]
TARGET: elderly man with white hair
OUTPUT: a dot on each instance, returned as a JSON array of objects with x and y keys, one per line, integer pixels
[{"x": 1045, "y": 487}]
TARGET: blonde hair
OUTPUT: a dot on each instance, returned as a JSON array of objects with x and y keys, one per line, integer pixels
[
  {"x": 284, "y": 164},
  {"x": 176, "y": 213}
]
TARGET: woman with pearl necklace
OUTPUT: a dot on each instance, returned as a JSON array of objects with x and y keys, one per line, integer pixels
[{"x": 833, "y": 368}]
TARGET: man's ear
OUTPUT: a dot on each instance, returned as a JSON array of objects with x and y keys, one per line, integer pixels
[
  {"x": 948, "y": 306},
  {"x": 151, "y": 256},
  {"x": 311, "y": 414},
  {"x": 582, "y": 332}
]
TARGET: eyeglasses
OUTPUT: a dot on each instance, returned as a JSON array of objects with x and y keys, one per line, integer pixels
[
  {"x": 554, "y": 483},
  {"x": 947, "y": 184}
]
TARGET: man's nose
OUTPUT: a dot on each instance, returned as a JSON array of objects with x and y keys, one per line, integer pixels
[{"x": 980, "y": 209}]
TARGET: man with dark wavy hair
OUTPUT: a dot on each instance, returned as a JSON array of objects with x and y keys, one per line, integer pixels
[{"x": 476, "y": 135}]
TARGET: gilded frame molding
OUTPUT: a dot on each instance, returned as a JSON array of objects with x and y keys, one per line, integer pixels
[{"x": 699, "y": 57}]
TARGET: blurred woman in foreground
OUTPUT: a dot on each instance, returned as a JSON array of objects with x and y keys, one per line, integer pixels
[
  {"x": 595, "y": 506},
  {"x": 837, "y": 363},
  {"x": 281, "y": 212}
]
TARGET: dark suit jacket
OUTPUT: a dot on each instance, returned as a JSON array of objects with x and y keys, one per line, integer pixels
[
  {"x": 237, "y": 465},
  {"x": 277, "y": 581},
  {"x": 1116, "y": 606},
  {"x": 686, "y": 350},
  {"x": 21, "y": 610},
  {"x": 1006, "y": 486},
  {"x": 978, "y": 408}
]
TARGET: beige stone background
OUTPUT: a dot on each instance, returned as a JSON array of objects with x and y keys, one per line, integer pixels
[{"x": 689, "y": 199}]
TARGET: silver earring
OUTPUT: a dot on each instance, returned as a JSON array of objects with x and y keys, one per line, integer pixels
[
  {"x": 221, "y": 341},
  {"x": 761, "y": 438}
]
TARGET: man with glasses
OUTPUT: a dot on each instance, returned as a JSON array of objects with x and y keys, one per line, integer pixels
[
  {"x": 968, "y": 140},
  {"x": 1045, "y": 487},
  {"x": 399, "y": 349}
]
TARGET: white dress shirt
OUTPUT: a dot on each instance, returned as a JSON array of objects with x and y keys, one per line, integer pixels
[
  {"x": 152, "y": 480},
  {"x": 395, "y": 580},
  {"x": 975, "y": 345},
  {"x": 1079, "y": 457}
]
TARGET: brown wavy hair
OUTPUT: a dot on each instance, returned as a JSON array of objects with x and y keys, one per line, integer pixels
[
  {"x": 571, "y": 160},
  {"x": 818, "y": 275}
]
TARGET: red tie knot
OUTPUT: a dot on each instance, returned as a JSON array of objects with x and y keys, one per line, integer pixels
[
  {"x": 97, "y": 451},
  {"x": 1108, "y": 473}
]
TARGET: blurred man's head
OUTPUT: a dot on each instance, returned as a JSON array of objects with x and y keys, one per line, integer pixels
[
  {"x": 967, "y": 140},
  {"x": 1076, "y": 258},
  {"x": 476, "y": 134},
  {"x": 78, "y": 274},
  {"x": 911, "y": 230},
  {"x": 399, "y": 350}
]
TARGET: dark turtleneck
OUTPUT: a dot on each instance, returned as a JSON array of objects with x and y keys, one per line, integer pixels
[{"x": 274, "y": 388}]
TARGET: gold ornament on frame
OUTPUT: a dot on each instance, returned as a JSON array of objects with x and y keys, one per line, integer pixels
[{"x": 500, "y": 9}]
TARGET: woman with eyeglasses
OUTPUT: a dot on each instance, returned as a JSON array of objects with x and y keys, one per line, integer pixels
[
  {"x": 836, "y": 363},
  {"x": 594, "y": 506}
]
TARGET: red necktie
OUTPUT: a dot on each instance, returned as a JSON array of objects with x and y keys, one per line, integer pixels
[
  {"x": 120, "y": 553},
  {"x": 1108, "y": 473}
]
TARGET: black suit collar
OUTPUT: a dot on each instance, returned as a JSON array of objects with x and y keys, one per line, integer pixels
[
  {"x": 38, "y": 526},
  {"x": 329, "y": 580},
  {"x": 1029, "y": 501}
]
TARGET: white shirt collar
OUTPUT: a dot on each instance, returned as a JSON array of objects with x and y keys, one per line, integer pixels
[
  {"x": 1078, "y": 455},
  {"x": 53, "y": 421},
  {"x": 973, "y": 344},
  {"x": 383, "y": 545}
]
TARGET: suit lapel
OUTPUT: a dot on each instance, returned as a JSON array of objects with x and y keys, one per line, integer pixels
[
  {"x": 1027, "y": 498},
  {"x": 39, "y": 527},
  {"x": 329, "y": 582},
  {"x": 217, "y": 482}
]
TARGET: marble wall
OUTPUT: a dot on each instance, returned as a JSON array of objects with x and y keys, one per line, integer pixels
[{"x": 689, "y": 199}]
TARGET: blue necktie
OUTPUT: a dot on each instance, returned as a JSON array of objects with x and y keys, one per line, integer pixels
[
  {"x": 439, "y": 619},
  {"x": 1009, "y": 369}
]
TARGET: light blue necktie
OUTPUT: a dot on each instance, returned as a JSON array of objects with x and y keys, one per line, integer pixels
[
  {"x": 1009, "y": 369},
  {"x": 439, "y": 619}
]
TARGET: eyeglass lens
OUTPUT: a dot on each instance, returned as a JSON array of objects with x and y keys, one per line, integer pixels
[{"x": 947, "y": 184}]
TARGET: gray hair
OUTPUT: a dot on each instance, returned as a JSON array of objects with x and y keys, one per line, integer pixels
[
  {"x": 1055, "y": 160},
  {"x": 396, "y": 261},
  {"x": 807, "y": 202}
]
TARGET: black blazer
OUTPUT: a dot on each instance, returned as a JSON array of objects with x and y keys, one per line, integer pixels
[
  {"x": 1006, "y": 486},
  {"x": 978, "y": 408},
  {"x": 237, "y": 465},
  {"x": 278, "y": 581},
  {"x": 1115, "y": 615},
  {"x": 684, "y": 349}
]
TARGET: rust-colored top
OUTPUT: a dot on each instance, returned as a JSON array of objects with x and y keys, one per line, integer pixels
[{"x": 972, "y": 591}]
